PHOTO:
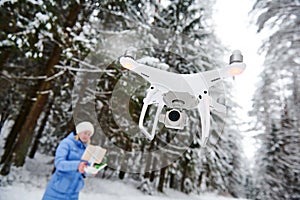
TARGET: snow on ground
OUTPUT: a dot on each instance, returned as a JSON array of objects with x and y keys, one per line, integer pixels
[
  {"x": 109, "y": 190},
  {"x": 29, "y": 182}
]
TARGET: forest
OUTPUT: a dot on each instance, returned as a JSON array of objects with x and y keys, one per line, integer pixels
[{"x": 59, "y": 66}]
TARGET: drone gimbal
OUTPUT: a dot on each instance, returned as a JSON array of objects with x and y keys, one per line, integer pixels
[{"x": 180, "y": 92}]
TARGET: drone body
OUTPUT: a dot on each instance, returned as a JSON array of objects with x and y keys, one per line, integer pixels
[{"x": 180, "y": 92}]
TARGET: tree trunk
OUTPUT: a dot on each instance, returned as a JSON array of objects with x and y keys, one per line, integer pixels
[
  {"x": 200, "y": 179},
  {"x": 163, "y": 170},
  {"x": 162, "y": 179},
  {"x": 296, "y": 98},
  {"x": 71, "y": 126},
  {"x": 172, "y": 181},
  {"x": 3, "y": 58},
  {"x": 40, "y": 131},
  {"x": 25, "y": 128},
  {"x": 121, "y": 175},
  {"x": 11, "y": 138},
  {"x": 152, "y": 175},
  {"x": 149, "y": 161},
  {"x": 184, "y": 173},
  {"x": 4, "y": 116}
]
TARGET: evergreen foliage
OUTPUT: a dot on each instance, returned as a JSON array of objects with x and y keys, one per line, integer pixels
[{"x": 276, "y": 102}]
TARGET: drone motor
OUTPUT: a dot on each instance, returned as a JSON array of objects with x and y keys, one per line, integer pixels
[{"x": 236, "y": 56}]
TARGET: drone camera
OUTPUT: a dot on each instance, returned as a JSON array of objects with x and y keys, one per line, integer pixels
[
  {"x": 174, "y": 118},
  {"x": 174, "y": 115}
]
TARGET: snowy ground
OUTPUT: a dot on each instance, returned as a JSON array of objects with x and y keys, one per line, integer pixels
[
  {"x": 29, "y": 182},
  {"x": 101, "y": 189},
  {"x": 109, "y": 190}
]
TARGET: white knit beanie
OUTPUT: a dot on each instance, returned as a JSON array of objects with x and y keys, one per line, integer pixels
[{"x": 85, "y": 126}]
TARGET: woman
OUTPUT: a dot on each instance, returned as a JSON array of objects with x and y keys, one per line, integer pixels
[{"x": 67, "y": 180}]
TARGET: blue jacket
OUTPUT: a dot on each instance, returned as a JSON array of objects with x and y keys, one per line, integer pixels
[{"x": 67, "y": 181}]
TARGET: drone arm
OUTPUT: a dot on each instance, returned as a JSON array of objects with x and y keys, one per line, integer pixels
[{"x": 214, "y": 76}]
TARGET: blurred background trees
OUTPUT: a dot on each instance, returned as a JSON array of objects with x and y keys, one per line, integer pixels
[{"x": 276, "y": 102}]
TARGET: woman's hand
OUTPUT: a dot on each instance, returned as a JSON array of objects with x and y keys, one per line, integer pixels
[{"x": 81, "y": 167}]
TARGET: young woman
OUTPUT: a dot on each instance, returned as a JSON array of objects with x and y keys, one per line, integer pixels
[{"x": 67, "y": 180}]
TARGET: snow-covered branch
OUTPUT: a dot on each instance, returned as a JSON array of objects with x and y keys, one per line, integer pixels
[{"x": 84, "y": 69}]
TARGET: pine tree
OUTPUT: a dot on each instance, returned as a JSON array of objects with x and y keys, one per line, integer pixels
[
  {"x": 40, "y": 37},
  {"x": 278, "y": 124}
]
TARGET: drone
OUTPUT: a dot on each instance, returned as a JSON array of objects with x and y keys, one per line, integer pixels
[{"x": 181, "y": 92}]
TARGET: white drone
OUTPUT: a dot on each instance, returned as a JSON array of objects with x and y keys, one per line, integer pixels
[{"x": 179, "y": 92}]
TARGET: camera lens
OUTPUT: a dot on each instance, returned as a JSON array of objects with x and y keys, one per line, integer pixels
[{"x": 174, "y": 115}]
